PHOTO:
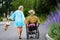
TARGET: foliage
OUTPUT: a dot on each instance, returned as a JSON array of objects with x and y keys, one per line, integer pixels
[
  {"x": 1, "y": 19},
  {"x": 40, "y": 6},
  {"x": 54, "y": 31}
]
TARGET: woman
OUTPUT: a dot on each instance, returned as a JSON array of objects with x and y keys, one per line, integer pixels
[{"x": 19, "y": 18}]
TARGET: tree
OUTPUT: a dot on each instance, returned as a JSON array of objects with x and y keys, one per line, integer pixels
[
  {"x": 28, "y": 4},
  {"x": 42, "y": 7},
  {"x": 6, "y": 7}
]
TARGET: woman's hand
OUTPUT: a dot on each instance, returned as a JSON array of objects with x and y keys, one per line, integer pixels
[{"x": 8, "y": 18}]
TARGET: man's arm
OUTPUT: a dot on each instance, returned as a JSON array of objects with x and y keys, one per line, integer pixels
[{"x": 38, "y": 21}]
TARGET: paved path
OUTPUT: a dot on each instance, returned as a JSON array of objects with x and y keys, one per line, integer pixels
[{"x": 11, "y": 33}]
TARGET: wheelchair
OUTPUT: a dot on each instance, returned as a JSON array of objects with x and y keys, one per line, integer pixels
[{"x": 32, "y": 30}]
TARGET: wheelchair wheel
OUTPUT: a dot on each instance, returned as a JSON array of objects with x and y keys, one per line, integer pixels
[
  {"x": 37, "y": 35},
  {"x": 27, "y": 36},
  {"x": 27, "y": 33}
]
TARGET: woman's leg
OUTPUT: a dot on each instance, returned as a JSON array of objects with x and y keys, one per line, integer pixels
[{"x": 19, "y": 31}]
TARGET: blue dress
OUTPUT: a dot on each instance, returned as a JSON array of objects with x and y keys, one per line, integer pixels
[{"x": 18, "y": 18}]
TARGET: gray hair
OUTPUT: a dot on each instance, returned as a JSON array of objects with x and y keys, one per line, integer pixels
[{"x": 32, "y": 11}]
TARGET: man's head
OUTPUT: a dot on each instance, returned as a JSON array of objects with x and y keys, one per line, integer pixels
[{"x": 32, "y": 12}]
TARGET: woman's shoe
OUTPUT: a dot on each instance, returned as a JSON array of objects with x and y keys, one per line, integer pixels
[{"x": 19, "y": 37}]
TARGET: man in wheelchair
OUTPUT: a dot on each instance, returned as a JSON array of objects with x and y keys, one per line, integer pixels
[{"x": 32, "y": 21}]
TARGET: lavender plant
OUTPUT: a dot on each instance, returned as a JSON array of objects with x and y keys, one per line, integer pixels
[
  {"x": 54, "y": 25},
  {"x": 54, "y": 17}
]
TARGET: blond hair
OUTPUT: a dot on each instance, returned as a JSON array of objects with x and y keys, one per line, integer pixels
[{"x": 20, "y": 7}]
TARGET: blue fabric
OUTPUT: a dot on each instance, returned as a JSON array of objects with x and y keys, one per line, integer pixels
[{"x": 18, "y": 18}]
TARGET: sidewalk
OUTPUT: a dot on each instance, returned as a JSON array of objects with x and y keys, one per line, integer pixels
[{"x": 12, "y": 34}]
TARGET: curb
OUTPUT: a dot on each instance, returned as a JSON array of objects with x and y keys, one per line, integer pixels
[
  {"x": 3, "y": 22},
  {"x": 48, "y": 37}
]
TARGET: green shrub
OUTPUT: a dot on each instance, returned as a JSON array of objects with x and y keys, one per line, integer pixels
[
  {"x": 54, "y": 31},
  {"x": 1, "y": 19}
]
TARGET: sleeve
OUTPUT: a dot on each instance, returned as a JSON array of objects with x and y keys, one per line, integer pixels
[
  {"x": 23, "y": 15},
  {"x": 12, "y": 17},
  {"x": 38, "y": 20}
]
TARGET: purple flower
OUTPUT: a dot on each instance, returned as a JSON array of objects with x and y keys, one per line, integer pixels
[{"x": 53, "y": 17}]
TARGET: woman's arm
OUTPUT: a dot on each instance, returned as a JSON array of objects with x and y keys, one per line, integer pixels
[{"x": 12, "y": 17}]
